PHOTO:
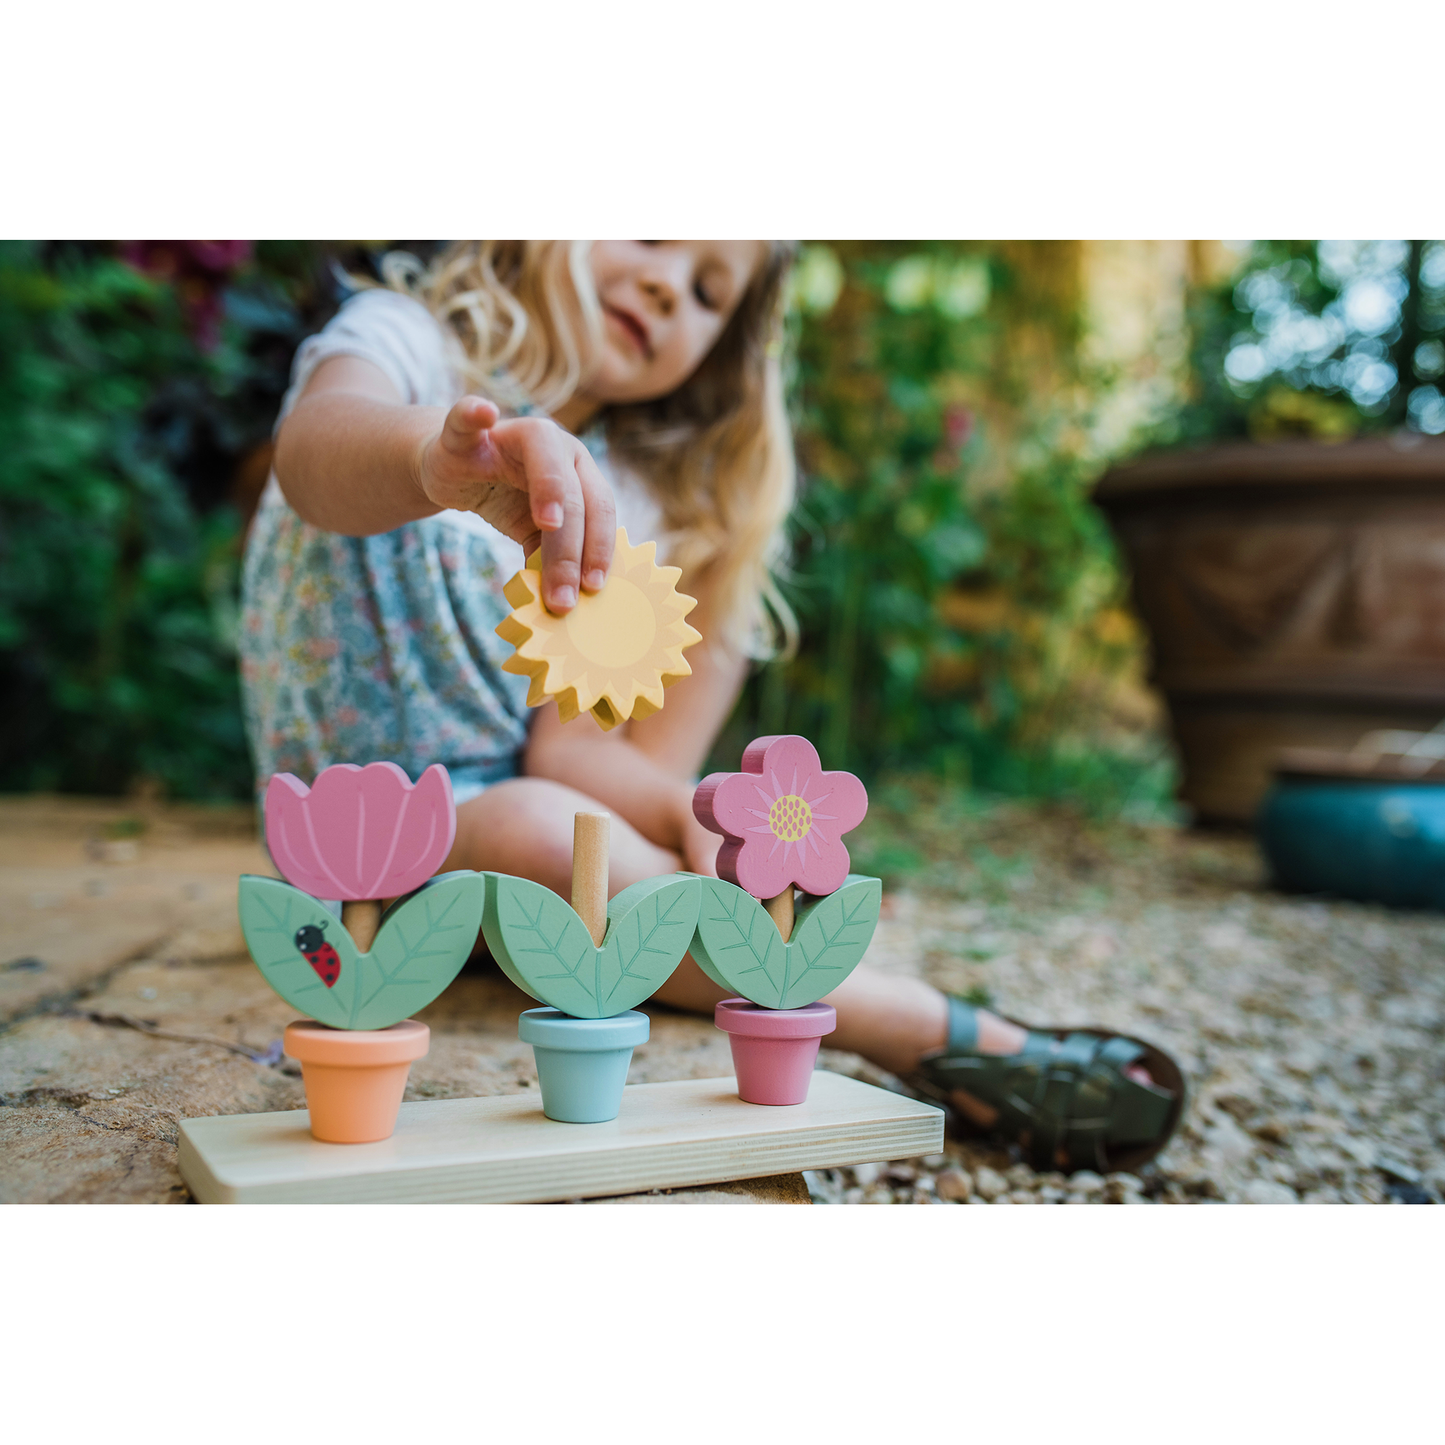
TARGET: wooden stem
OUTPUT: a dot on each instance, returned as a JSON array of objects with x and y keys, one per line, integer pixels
[
  {"x": 780, "y": 910},
  {"x": 589, "y": 871},
  {"x": 361, "y": 920}
]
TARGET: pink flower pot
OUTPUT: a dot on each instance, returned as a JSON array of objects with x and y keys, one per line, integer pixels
[{"x": 774, "y": 1050}]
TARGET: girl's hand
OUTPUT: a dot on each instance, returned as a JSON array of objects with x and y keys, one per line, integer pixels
[{"x": 532, "y": 481}]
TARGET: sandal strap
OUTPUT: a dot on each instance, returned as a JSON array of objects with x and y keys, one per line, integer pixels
[
  {"x": 1066, "y": 1093},
  {"x": 1044, "y": 1098},
  {"x": 1061, "y": 1117},
  {"x": 962, "y": 1026}
]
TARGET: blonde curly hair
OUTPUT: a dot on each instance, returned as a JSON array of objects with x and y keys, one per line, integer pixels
[{"x": 716, "y": 453}]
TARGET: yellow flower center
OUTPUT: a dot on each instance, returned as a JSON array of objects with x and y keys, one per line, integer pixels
[{"x": 790, "y": 818}]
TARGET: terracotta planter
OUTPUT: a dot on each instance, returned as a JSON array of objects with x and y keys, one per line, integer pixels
[
  {"x": 774, "y": 1050},
  {"x": 354, "y": 1078},
  {"x": 1294, "y": 595}
]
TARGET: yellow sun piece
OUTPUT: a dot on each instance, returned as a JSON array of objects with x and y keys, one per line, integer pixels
[
  {"x": 790, "y": 818},
  {"x": 615, "y": 651}
]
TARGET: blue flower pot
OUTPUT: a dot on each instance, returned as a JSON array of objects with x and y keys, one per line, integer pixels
[
  {"x": 1369, "y": 839},
  {"x": 582, "y": 1063}
]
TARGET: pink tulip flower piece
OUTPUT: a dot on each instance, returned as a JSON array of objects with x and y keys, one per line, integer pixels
[
  {"x": 783, "y": 818},
  {"x": 360, "y": 833}
]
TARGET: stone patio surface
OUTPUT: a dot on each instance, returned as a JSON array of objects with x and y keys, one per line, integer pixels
[{"x": 1310, "y": 1030}]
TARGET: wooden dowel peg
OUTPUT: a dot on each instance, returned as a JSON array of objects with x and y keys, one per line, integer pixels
[
  {"x": 361, "y": 920},
  {"x": 590, "y": 837},
  {"x": 780, "y": 910}
]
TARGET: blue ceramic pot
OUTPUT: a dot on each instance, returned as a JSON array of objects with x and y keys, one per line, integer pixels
[
  {"x": 582, "y": 1063},
  {"x": 1377, "y": 841}
]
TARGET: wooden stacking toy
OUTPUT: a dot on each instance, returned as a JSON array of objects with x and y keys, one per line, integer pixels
[
  {"x": 364, "y": 933},
  {"x": 615, "y": 651},
  {"x": 591, "y": 964},
  {"x": 783, "y": 819},
  {"x": 352, "y": 840},
  {"x": 360, "y": 836}
]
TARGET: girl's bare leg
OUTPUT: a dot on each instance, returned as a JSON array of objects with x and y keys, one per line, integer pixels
[{"x": 524, "y": 826}]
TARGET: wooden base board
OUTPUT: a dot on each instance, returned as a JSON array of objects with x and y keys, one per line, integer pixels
[{"x": 504, "y": 1150}]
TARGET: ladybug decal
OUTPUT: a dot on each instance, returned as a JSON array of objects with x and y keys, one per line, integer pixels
[{"x": 319, "y": 954}]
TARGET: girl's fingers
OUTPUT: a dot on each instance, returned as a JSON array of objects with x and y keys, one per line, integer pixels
[
  {"x": 555, "y": 493},
  {"x": 466, "y": 422},
  {"x": 570, "y": 503},
  {"x": 600, "y": 521}
]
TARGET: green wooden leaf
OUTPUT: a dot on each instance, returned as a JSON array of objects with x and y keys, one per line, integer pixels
[
  {"x": 738, "y": 946},
  {"x": 272, "y": 913},
  {"x": 649, "y": 929},
  {"x": 529, "y": 929},
  {"x": 830, "y": 937},
  {"x": 545, "y": 949},
  {"x": 421, "y": 945},
  {"x": 420, "y": 948}
]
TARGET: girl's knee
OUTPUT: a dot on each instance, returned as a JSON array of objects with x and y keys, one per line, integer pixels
[
  {"x": 546, "y": 812},
  {"x": 525, "y": 825},
  {"x": 522, "y": 826}
]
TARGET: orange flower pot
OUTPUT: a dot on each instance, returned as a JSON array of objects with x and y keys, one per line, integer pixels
[{"x": 354, "y": 1078}]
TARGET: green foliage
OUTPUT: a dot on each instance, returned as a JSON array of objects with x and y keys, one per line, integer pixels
[
  {"x": 419, "y": 949},
  {"x": 119, "y": 548},
  {"x": 1324, "y": 339},
  {"x": 958, "y": 597},
  {"x": 739, "y": 947},
  {"x": 546, "y": 950}
]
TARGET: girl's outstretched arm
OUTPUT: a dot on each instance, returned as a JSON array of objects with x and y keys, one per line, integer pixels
[
  {"x": 353, "y": 458},
  {"x": 645, "y": 771}
]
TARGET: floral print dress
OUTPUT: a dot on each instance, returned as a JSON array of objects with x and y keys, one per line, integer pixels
[{"x": 372, "y": 649}]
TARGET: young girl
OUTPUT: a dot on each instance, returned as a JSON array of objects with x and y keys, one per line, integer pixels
[{"x": 544, "y": 391}]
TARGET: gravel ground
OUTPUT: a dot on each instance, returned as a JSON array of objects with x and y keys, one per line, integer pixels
[{"x": 1309, "y": 1030}]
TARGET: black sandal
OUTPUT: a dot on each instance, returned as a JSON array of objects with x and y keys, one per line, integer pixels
[{"x": 1064, "y": 1096}]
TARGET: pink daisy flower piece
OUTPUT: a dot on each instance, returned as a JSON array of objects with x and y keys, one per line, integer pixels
[{"x": 783, "y": 818}]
